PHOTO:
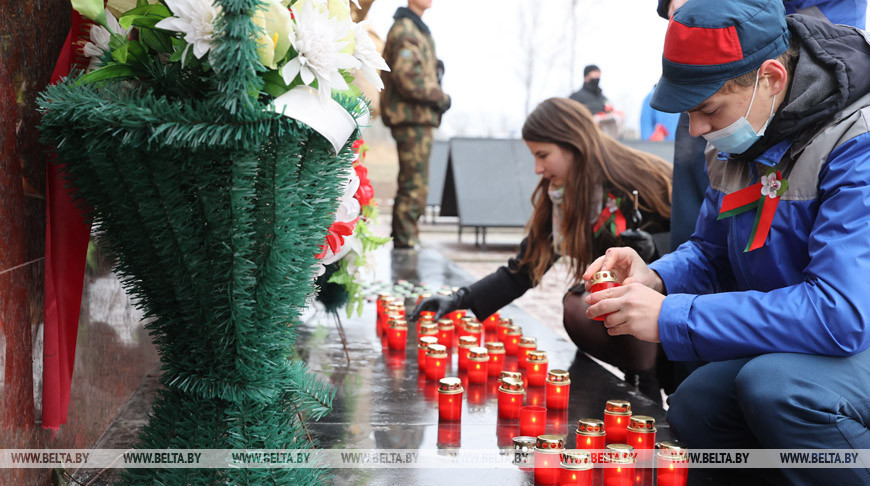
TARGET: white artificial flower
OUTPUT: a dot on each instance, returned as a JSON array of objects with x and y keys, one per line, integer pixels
[
  {"x": 367, "y": 54},
  {"x": 318, "y": 40},
  {"x": 349, "y": 208},
  {"x": 194, "y": 19},
  {"x": 100, "y": 37},
  {"x": 770, "y": 185}
]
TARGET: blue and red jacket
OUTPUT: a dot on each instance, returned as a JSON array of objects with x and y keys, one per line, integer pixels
[{"x": 807, "y": 290}]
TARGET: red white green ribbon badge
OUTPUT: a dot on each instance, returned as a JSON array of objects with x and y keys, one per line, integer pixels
[
  {"x": 611, "y": 217},
  {"x": 764, "y": 196}
]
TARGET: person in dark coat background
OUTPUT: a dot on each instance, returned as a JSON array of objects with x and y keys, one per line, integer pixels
[{"x": 590, "y": 94}]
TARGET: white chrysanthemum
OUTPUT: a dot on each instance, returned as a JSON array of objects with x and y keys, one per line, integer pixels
[
  {"x": 318, "y": 42},
  {"x": 194, "y": 19},
  {"x": 367, "y": 54},
  {"x": 100, "y": 38}
]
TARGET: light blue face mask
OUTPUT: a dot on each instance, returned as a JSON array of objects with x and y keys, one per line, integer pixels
[{"x": 737, "y": 137}]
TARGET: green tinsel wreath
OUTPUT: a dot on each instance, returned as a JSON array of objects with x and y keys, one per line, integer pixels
[{"x": 215, "y": 207}]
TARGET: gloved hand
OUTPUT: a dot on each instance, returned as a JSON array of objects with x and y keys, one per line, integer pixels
[
  {"x": 442, "y": 304},
  {"x": 641, "y": 242}
]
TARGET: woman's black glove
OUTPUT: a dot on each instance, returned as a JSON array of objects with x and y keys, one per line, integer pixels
[
  {"x": 641, "y": 242},
  {"x": 442, "y": 305}
]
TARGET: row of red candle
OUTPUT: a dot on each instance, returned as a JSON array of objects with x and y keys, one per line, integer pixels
[{"x": 553, "y": 464}]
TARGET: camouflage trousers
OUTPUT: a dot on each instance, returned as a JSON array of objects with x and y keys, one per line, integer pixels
[{"x": 414, "y": 144}]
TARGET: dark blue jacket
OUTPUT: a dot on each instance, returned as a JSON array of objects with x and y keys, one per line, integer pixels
[{"x": 807, "y": 289}]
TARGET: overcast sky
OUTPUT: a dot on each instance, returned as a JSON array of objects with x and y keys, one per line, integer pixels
[{"x": 484, "y": 46}]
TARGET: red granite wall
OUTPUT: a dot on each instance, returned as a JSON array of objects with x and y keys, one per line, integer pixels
[{"x": 113, "y": 352}]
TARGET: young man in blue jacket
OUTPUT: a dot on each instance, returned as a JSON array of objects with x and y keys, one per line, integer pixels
[{"x": 772, "y": 287}]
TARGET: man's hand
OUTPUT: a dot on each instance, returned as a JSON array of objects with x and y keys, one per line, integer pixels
[
  {"x": 634, "y": 309},
  {"x": 629, "y": 267}
]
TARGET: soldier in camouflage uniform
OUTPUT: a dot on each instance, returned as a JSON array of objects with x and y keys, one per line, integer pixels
[{"x": 412, "y": 103}]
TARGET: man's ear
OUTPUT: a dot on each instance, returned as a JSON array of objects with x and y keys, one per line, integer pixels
[{"x": 776, "y": 75}]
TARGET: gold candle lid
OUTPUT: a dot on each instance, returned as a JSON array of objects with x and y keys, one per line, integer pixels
[
  {"x": 642, "y": 423},
  {"x": 428, "y": 328},
  {"x": 423, "y": 319},
  {"x": 550, "y": 443},
  {"x": 558, "y": 377},
  {"x": 436, "y": 351},
  {"x": 505, "y": 321},
  {"x": 511, "y": 385},
  {"x": 528, "y": 342},
  {"x": 604, "y": 276},
  {"x": 450, "y": 385},
  {"x": 445, "y": 324},
  {"x": 397, "y": 305},
  {"x": 398, "y": 324},
  {"x": 619, "y": 454},
  {"x": 495, "y": 347},
  {"x": 466, "y": 319},
  {"x": 524, "y": 442},
  {"x": 478, "y": 354},
  {"x": 618, "y": 407},
  {"x": 474, "y": 327},
  {"x": 384, "y": 296},
  {"x": 467, "y": 341},
  {"x": 516, "y": 375},
  {"x": 590, "y": 427},
  {"x": 426, "y": 341},
  {"x": 513, "y": 331},
  {"x": 577, "y": 459},
  {"x": 423, "y": 296},
  {"x": 673, "y": 450},
  {"x": 537, "y": 356}
]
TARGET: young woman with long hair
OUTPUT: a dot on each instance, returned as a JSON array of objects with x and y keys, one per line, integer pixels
[{"x": 585, "y": 175}]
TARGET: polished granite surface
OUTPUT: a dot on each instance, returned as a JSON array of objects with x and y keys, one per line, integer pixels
[{"x": 383, "y": 402}]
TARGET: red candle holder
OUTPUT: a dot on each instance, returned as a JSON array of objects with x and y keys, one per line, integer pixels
[
  {"x": 505, "y": 431},
  {"x": 491, "y": 322},
  {"x": 548, "y": 459},
  {"x": 558, "y": 389},
  {"x": 422, "y": 345},
  {"x": 526, "y": 344},
  {"x": 617, "y": 414},
  {"x": 457, "y": 316},
  {"x": 420, "y": 298},
  {"x": 381, "y": 310},
  {"x": 621, "y": 460},
  {"x": 533, "y": 421},
  {"x": 478, "y": 358},
  {"x": 465, "y": 343},
  {"x": 641, "y": 432},
  {"x": 672, "y": 464},
  {"x": 591, "y": 437},
  {"x": 475, "y": 330},
  {"x": 449, "y": 435},
  {"x": 576, "y": 468},
  {"x": 396, "y": 307},
  {"x": 397, "y": 335},
  {"x": 436, "y": 362},
  {"x": 557, "y": 422},
  {"x": 510, "y": 398},
  {"x": 535, "y": 396},
  {"x": 512, "y": 336},
  {"x": 496, "y": 358},
  {"x": 502, "y": 327},
  {"x": 428, "y": 329},
  {"x": 510, "y": 374},
  {"x": 445, "y": 332},
  {"x": 524, "y": 450},
  {"x": 536, "y": 367},
  {"x": 450, "y": 399},
  {"x": 424, "y": 320},
  {"x": 600, "y": 281}
]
